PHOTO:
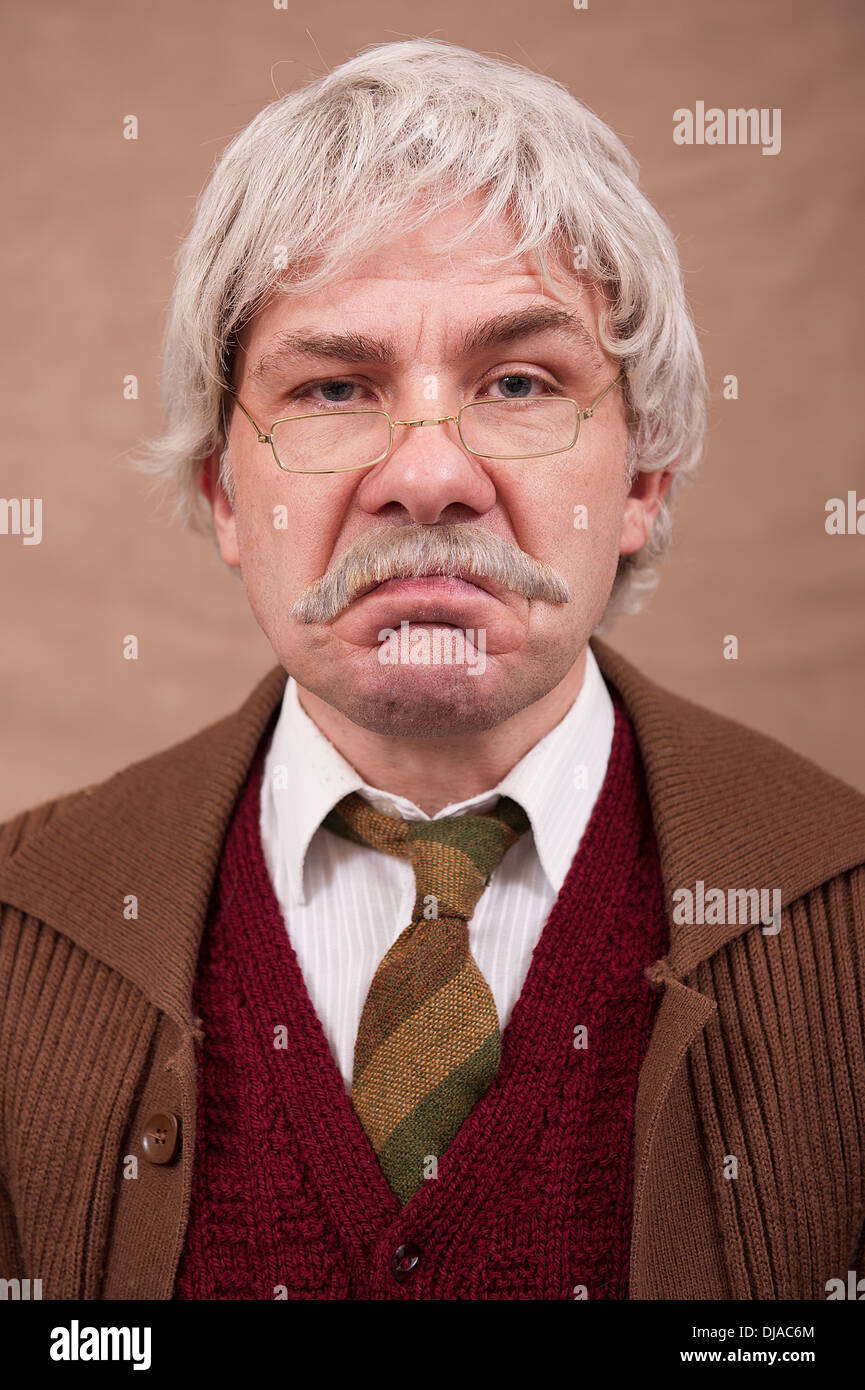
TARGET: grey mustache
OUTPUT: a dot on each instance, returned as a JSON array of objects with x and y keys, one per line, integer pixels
[{"x": 409, "y": 552}]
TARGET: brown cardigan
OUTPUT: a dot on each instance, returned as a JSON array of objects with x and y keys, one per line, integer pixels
[{"x": 758, "y": 1049}]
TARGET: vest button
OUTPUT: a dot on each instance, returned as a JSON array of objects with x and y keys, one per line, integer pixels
[
  {"x": 159, "y": 1137},
  {"x": 403, "y": 1261}
]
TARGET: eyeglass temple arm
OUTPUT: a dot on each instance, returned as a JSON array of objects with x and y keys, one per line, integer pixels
[
  {"x": 589, "y": 411},
  {"x": 262, "y": 437}
]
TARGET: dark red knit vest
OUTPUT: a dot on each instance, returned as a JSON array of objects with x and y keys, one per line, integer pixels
[{"x": 533, "y": 1197}]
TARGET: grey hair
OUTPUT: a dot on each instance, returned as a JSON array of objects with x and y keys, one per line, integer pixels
[{"x": 396, "y": 135}]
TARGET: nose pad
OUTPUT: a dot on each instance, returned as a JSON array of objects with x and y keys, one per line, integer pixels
[{"x": 453, "y": 437}]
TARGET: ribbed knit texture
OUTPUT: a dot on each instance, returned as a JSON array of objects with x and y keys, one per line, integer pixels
[
  {"x": 65, "y": 994},
  {"x": 533, "y": 1196}
]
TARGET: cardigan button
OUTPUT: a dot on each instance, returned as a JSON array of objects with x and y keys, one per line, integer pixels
[
  {"x": 403, "y": 1261},
  {"x": 159, "y": 1139}
]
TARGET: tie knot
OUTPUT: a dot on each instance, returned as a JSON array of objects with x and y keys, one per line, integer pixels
[{"x": 453, "y": 858}]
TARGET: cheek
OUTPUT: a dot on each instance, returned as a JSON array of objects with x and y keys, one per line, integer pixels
[
  {"x": 571, "y": 518},
  {"x": 286, "y": 532},
  {"x": 260, "y": 540}
]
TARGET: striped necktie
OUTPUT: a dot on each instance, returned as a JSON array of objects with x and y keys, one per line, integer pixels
[{"x": 428, "y": 1044}]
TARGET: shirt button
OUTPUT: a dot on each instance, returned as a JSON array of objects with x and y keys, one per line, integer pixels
[
  {"x": 403, "y": 1261},
  {"x": 159, "y": 1137}
]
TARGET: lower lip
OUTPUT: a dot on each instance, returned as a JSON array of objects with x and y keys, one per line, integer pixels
[{"x": 436, "y": 600}]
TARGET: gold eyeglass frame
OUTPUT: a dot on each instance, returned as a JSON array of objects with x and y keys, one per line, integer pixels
[{"x": 266, "y": 437}]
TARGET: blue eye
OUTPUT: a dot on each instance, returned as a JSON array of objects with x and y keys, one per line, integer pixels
[
  {"x": 520, "y": 384},
  {"x": 337, "y": 392},
  {"x": 515, "y": 385}
]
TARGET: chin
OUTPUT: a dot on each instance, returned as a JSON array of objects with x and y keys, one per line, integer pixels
[{"x": 405, "y": 701}]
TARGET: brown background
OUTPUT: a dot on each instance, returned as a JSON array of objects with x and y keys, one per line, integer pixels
[{"x": 772, "y": 250}]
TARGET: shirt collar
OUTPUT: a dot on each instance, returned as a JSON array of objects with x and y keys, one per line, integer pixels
[{"x": 556, "y": 783}]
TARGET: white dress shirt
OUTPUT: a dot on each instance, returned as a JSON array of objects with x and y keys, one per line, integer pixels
[{"x": 345, "y": 904}]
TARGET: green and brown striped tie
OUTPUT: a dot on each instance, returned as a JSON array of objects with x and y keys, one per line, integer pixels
[{"x": 428, "y": 1044}]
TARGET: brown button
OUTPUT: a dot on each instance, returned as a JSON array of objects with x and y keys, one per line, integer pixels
[{"x": 159, "y": 1139}]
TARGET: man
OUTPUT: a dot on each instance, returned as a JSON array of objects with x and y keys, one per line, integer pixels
[{"x": 462, "y": 961}]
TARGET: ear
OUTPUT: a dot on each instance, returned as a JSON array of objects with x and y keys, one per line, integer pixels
[
  {"x": 223, "y": 516},
  {"x": 643, "y": 503}
]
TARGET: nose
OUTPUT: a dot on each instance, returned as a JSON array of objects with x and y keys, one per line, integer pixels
[{"x": 427, "y": 471}]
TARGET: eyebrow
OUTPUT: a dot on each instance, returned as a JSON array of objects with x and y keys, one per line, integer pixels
[{"x": 352, "y": 348}]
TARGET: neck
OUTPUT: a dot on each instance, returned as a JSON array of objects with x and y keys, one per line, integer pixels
[{"x": 435, "y": 772}]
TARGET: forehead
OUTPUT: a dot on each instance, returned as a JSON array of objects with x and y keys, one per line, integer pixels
[{"x": 418, "y": 287}]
